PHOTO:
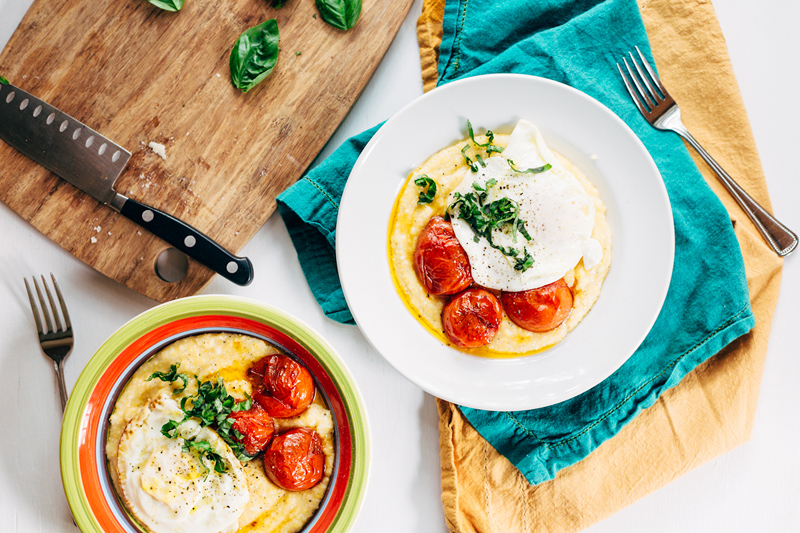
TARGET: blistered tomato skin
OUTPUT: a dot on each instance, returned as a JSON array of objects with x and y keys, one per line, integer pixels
[
  {"x": 256, "y": 426},
  {"x": 541, "y": 309},
  {"x": 441, "y": 263},
  {"x": 472, "y": 318},
  {"x": 288, "y": 388},
  {"x": 295, "y": 460}
]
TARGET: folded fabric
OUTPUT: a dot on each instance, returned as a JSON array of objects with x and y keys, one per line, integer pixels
[{"x": 576, "y": 42}]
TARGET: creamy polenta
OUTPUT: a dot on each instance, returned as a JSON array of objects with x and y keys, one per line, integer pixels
[
  {"x": 448, "y": 168},
  {"x": 270, "y": 509}
]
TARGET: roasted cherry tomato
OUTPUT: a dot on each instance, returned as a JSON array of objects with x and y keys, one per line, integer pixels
[
  {"x": 288, "y": 387},
  {"x": 539, "y": 309},
  {"x": 472, "y": 318},
  {"x": 256, "y": 426},
  {"x": 441, "y": 263},
  {"x": 294, "y": 460}
]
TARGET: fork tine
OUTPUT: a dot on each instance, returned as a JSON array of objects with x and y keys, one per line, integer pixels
[
  {"x": 638, "y": 86},
  {"x": 632, "y": 92},
  {"x": 34, "y": 307},
  {"x": 45, "y": 312},
  {"x": 53, "y": 307},
  {"x": 61, "y": 301},
  {"x": 649, "y": 86},
  {"x": 652, "y": 73}
]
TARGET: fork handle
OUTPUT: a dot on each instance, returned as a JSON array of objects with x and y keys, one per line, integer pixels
[
  {"x": 62, "y": 386},
  {"x": 779, "y": 237}
]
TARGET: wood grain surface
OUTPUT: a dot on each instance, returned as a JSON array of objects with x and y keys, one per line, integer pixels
[{"x": 138, "y": 74}]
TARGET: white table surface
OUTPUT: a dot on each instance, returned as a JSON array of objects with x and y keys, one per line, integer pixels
[{"x": 753, "y": 488}]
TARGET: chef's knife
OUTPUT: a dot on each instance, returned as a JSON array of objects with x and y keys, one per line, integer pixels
[{"x": 92, "y": 163}]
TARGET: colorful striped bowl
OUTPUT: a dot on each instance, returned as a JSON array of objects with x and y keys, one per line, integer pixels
[{"x": 84, "y": 471}]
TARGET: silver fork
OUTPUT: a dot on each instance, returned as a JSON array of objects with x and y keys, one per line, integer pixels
[
  {"x": 56, "y": 341},
  {"x": 660, "y": 110}
]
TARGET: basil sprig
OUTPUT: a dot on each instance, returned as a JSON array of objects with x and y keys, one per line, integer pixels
[
  {"x": 171, "y": 377},
  {"x": 534, "y": 170},
  {"x": 483, "y": 218},
  {"x": 341, "y": 14},
  {"x": 428, "y": 192},
  {"x": 254, "y": 55},
  {"x": 168, "y": 5},
  {"x": 211, "y": 405},
  {"x": 3, "y": 80},
  {"x": 203, "y": 447}
]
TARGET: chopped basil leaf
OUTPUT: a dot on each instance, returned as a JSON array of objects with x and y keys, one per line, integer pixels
[
  {"x": 429, "y": 189},
  {"x": 489, "y": 146},
  {"x": 3, "y": 80},
  {"x": 535, "y": 170},
  {"x": 171, "y": 376},
  {"x": 341, "y": 14},
  {"x": 483, "y": 218},
  {"x": 211, "y": 405},
  {"x": 168, "y": 5},
  {"x": 203, "y": 447},
  {"x": 277, "y": 4},
  {"x": 472, "y": 166},
  {"x": 254, "y": 55}
]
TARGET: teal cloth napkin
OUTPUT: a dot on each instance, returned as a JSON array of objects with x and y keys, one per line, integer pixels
[{"x": 576, "y": 42}]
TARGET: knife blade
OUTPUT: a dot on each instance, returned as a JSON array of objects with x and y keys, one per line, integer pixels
[{"x": 92, "y": 163}]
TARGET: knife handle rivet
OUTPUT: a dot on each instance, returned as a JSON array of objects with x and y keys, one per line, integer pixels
[
  {"x": 76, "y": 134},
  {"x": 232, "y": 267},
  {"x": 10, "y": 97},
  {"x": 37, "y": 111},
  {"x": 90, "y": 141},
  {"x": 23, "y": 104},
  {"x": 115, "y": 157},
  {"x": 63, "y": 126},
  {"x": 102, "y": 149},
  {"x": 50, "y": 118},
  {"x": 189, "y": 241},
  {"x": 148, "y": 216}
]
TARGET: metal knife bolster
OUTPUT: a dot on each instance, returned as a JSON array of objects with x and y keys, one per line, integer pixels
[{"x": 61, "y": 144}]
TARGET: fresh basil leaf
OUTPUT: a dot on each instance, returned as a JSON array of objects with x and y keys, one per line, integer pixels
[
  {"x": 171, "y": 377},
  {"x": 277, "y": 4},
  {"x": 534, "y": 170},
  {"x": 168, "y": 5},
  {"x": 489, "y": 145},
  {"x": 483, "y": 218},
  {"x": 472, "y": 166},
  {"x": 341, "y": 14},
  {"x": 204, "y": 449},
  {"x": 3, "y": 80},
  {"x": 169, "y": 429},
  {"x": 254, "y": 55},
  {"x": 429, "y": 189}
]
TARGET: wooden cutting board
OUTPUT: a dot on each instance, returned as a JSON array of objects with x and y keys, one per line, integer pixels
[{"x": 138, "y": 74}]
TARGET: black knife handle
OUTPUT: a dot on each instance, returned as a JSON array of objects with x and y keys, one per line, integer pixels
[{"x": 188, "y": 240}]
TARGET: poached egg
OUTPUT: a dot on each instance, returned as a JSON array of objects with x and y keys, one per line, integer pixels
[
  {"x": 171, "y": 490},
  {"x": 557, "y": 211}
]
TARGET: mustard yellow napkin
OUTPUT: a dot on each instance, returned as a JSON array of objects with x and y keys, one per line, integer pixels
[{"x": 711, "y": 410}]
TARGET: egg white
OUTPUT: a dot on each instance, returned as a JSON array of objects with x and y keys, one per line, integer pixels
[
  {"x": 558, "y": 213},
  {"x": 172, "y": 491}
]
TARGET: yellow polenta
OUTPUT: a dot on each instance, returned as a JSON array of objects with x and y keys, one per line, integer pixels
[
  {"x": 209, "y": 356},
  {"x": 447, "y": 168}
]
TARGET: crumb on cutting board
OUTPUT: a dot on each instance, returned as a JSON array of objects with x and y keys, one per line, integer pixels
[{"x": 159, "y": 149}]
